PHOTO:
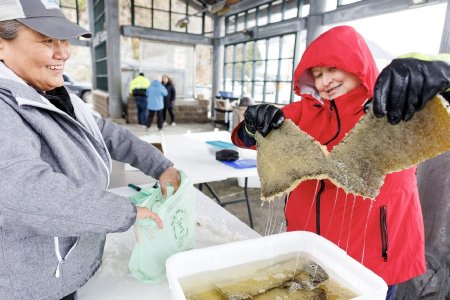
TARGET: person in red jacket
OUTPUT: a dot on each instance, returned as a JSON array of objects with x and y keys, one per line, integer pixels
[{"x": 335, "y": 79}]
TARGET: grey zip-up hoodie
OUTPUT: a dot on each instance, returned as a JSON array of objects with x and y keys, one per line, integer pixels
[{"x": 54, "y": 207}]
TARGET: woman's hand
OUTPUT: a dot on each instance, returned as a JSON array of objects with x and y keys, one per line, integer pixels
[
  {"x": 169, "y": 176},
  {"x": 144, "y": 213},
  {"x": 262, "y": 118},
  {"x": 406, "y": 84}
]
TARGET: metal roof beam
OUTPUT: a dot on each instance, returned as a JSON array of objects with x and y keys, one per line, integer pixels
[
  {"x": 164, "y": 35},
  {"x": 370, "y": 8},
  {"x": 245, "y": 5},
  {"x": 78, "y": 42},
  {"x": 266, "y": 31}
]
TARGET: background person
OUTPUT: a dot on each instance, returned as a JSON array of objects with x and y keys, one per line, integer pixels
[
  {"x": 169, "y": 100},
  {"x": 138, "y": 88},
  {"x": 56, "y": 162},
  {"x": 155, "y": 96},
  {"x": 335, "y": 78}
]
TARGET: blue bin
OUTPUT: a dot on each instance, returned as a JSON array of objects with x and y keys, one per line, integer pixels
[{"x": 224, "y": 94}]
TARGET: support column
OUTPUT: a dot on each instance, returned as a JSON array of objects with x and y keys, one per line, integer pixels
[
  {"x": 314, "y": 24},
  {"x": 91, "y": 18},
  {"x": 445, "y": 39},
  {"x": 113, "y": 58},
  {"x": 217, "y": 61}
]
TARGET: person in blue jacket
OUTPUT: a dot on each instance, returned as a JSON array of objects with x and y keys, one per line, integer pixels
[{"x": 155, "y": 96}]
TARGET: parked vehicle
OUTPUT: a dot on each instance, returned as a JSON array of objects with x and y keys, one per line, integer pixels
[{"x": 82, "y": 90}]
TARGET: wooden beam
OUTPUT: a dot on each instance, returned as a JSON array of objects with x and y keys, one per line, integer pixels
[{"x": 164, "y": 35}]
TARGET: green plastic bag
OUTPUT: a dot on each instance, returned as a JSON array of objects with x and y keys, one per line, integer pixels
[{"x": 153, "y": 245}]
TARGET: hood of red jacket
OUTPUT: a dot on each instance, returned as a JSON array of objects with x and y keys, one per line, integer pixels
[{"x": 341, "y": 47}]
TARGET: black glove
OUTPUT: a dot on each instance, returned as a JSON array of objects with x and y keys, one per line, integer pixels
[
  {"x": 262, "y": 118},
  {"x": 406, "y": 84}
]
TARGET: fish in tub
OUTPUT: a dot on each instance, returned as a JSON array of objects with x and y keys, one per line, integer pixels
[{"x": 290, "y": 265}]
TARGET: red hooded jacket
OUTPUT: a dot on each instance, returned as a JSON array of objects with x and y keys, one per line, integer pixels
[{"x": 386, "y": 235}]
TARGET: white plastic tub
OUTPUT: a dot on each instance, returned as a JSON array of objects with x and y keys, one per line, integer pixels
[{"x": 334, "y": 260}]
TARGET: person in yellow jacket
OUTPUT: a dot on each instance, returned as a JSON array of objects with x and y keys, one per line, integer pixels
[{"x": 138, "y": 88}]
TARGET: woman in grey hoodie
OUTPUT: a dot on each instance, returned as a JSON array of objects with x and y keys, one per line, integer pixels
[{"x": 55, "y": 162}]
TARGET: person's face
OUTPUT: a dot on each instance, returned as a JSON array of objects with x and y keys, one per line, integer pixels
[
  {"x": 332, "y": 82},
  {"x": 165, "y": 79},
  {"x": 36, "y": 58}
]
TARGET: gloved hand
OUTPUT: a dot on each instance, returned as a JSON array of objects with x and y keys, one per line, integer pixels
[
  {"x": 262, "y": 118},
  {"x": 406, "y": 84}
]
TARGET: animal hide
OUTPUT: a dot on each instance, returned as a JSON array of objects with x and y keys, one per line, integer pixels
[{"x": 358, "y": 164}]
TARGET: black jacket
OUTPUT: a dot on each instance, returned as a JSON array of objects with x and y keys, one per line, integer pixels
[{"x": 169, "y": 100}]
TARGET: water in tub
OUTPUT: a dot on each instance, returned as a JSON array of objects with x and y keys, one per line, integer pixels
[{"x": 289, "y": 276}]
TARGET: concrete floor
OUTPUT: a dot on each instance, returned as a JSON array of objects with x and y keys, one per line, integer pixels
[{"x": 267, "y": 217}]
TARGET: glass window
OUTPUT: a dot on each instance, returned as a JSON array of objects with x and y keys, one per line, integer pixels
[
  {"x": 161, "y": 20},
  {"x": 291, "y": 9},
  {"x": 178, "y": 6},
  {"x": 274, "y": 48},
  {"x": 208, "y": 24},
  {"x": 166, "y": 14},
  {"x": 228, "y": 72},
  {"x": 260, "y": 70},
  {"x": 175, "y": 60},
  {"x": 331, "y": 5},
  {"x": 288, "y": 48},
  {"x": 163, "y": 5},
  {"x": 272, "y": 69},
  {"x": 143, "y": 3},
  {"x": 261, "y": 49},
  {"x": 195, "y": 25},
  {"x": 248, "y": 67},
  {"x": 263, "y": 11},
  {"x": 231, "y": 24},
  {"x": 286, "y": 69},
  {"x": 275, "y": 11},
  {"x": 284, "y": 90},
  {"x": 229, "y": 54},
  {"x": 249, "y": 47},
  {"x": 305, "y": 10},
  {"x": 238, "y": 71},
  {"x": 241, "y": 22},
  {"x": 174, "y": 19},
  {"x": 67, "y": 3},
  {"x": 263, "y": 68},
  {"x": 194, "y": 10},
  {"x": 248, "y": 88},
  {"x": 239, "y": 54},
  {"x": 143, "y": 17},
  {"x": 270, "y": 91},
  {"x": 258, "y": 91},
  {"x": 251, "y": 18}
]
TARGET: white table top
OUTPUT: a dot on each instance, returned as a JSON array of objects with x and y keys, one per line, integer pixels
[
  {"x": 214, "y": 225},
  {"x": 190, "y": 153}
]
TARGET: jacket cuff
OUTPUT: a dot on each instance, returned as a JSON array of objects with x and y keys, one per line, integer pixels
[
  {"x": 245, "y": 137},
  {"x": 446, "y": 95}
]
